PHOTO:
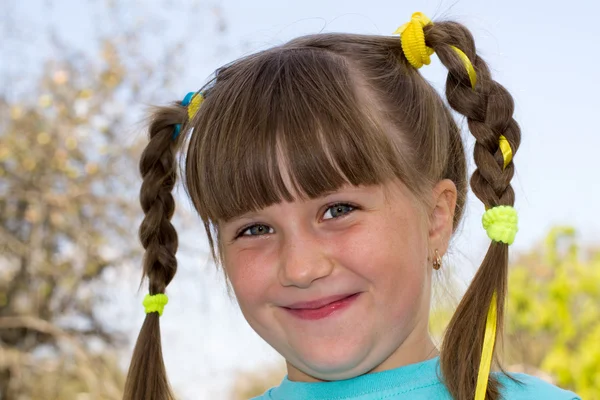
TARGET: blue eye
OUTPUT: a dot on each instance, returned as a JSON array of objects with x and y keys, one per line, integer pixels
[
  {"x": 255, "y": 230},
  {"x": 338, "y": 210}
]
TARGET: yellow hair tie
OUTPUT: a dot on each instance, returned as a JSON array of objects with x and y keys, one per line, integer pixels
[
  {"x": 192, "y": 101},
  {"x": 155, "y": 303},
  {"x": 500, "y": 224},
  {"x": 412, "y": 38},
  {"x": 194, "y": 105},
  {"x": 417, "y": 52}
]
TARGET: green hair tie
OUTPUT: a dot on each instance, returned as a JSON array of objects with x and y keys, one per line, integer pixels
[
  {"x": 500, "y": 224},
  {"x": 155, "y": 303}
]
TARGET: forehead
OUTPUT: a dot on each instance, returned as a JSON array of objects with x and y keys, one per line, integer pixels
[
  {"x": 261, "y": 140},
  {"x": 393, "y": 193}
]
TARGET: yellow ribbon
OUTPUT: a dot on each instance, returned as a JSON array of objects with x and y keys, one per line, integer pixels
[
  {"x": 506, "y": 151},
  {"x": 155, "y": 303},
  {"x": 500, "y": 224},
  {"x": 487, "y": 352},
  {"x": 468, "y": 65},
  {"x": 412, "y": 38}
]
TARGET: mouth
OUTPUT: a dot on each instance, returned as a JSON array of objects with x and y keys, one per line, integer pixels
[
  {"x": 314, "y": 304},
  {"x": 322, "y": 308}
]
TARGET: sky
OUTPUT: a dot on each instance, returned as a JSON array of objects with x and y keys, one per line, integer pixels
[{"x": 543, "y": 52}]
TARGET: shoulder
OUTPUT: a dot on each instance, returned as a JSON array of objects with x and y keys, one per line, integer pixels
[{"x": 527, "y": 387}]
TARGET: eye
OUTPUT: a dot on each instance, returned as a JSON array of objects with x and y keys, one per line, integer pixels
[
  {"x": 255, "y": 230},
  {"x": 336, "y": 210},
  {"x": 339, "y": 210}
]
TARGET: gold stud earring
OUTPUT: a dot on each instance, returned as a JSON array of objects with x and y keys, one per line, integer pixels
[{"x": 437, "y": 263}]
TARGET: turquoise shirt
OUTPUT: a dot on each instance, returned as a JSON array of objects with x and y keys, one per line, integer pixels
[{"x": 415, "y": 382}]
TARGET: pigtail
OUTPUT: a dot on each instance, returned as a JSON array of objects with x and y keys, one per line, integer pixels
[
  {"x": 147, "y": 378},
  {"x": 488, "y": 108}
]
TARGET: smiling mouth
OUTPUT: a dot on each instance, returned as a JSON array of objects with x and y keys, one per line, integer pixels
[
  {"x": 323, "y": 310},
  {"x": 314, "y": 304}
]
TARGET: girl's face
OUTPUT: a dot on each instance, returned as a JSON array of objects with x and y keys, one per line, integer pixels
[{"x": 356, "y": 240}]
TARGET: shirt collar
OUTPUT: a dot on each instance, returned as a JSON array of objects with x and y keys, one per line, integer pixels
[{"x": 405, "y": 377}]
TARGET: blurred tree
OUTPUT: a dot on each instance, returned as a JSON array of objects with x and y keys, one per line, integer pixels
[
  {"x": 66, "y": 213},
  {"x": 68, "y": 206},
  {"x": 553, "y": 314}
]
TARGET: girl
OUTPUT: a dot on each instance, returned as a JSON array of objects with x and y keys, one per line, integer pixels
[{"x": 330, "y": 177}]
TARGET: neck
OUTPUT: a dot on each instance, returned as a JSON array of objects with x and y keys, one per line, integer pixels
[
  {"x": 420, "y": 350},
  {"x": 413, "y": 350}
]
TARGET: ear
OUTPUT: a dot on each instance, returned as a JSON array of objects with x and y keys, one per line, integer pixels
[{"x": 442, "y": 216}]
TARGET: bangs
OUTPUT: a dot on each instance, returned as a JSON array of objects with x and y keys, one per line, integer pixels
[{"x": 287, "y": 112}]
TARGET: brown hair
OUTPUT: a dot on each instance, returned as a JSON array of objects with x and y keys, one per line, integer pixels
[{"x": 338, "y": 108}]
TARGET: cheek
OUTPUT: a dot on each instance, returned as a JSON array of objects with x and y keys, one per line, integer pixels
[
  {"x": 387, "y": 246},
  {"x": 248, "y": 273},
  {"x": 390, "y": 254}
]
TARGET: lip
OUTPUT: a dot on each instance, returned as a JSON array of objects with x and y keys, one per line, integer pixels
[
  {"x": 311, "y": 305},
  {"x": 325, "y": 310}
]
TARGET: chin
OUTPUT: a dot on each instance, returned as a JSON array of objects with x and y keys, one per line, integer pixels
[{"x": 337, "y": 361}]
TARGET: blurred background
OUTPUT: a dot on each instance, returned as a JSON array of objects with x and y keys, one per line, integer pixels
[{"x": 75, "y": 80}]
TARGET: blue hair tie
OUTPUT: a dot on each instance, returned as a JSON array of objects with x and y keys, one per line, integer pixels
[{"x": 186, "y": 100}]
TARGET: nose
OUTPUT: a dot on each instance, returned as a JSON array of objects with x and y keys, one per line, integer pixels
[{"x": 304, "y": 259}]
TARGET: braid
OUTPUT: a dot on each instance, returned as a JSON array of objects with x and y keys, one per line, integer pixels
[
  {"x": 489, "y": 108},
  {"x": 147, "y": 378},
  {"x": 157, "y": 234}
]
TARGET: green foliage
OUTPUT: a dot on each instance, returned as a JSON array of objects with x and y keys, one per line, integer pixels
[{"x": 553, "y": 313}]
